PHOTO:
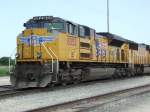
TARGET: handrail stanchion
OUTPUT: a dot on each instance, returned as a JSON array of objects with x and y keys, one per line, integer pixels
[
  {"x": 55, "y": 57},
  {"x": 10, "y": 60},
  {"x": 9, "y": 64},
  {"x": 56, "y": 62},
  {"x": 49, "y": 55}
]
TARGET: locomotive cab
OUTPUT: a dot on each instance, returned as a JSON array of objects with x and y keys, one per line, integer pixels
[
  {"x": 37, "y": 59},
  {"x": 45, "y": 48}
]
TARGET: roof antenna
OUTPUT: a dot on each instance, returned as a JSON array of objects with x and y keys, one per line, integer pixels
[{"x": 108, "y": 16}]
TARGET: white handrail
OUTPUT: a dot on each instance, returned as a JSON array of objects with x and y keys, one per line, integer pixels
[
  {"x": 10, "y": 60},
  {"x": 55, "y": 57},
  {"x": 49, "y": 55},
  {"x": 56, "y": 61},
  {"x": 9, "y": 65}
]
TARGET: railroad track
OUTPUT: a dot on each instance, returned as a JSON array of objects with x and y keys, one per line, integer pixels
[
  {"x": 78, "y": 105},
  {"x": 92, "y": 102},
  {"x": 8, "y": 91}
]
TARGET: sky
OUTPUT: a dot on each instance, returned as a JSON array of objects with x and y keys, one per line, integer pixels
[{"x": 128, "y": 18}]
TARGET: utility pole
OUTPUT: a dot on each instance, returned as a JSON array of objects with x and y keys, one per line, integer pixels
[{"x": 108, "y": 16}]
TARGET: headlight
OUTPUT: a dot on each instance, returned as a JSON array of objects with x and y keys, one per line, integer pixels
[{"x": 17, "y": 55}]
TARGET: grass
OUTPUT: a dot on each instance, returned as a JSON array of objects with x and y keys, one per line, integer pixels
[{"x": 3, "y": 70}]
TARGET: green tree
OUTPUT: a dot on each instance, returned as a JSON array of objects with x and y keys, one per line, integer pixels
[{"x": 5, "y": 61}]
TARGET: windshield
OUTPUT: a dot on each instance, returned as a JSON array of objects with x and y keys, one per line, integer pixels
[
  {"x": 49, "y": 26},
  {"x": 54, "y": 26}
]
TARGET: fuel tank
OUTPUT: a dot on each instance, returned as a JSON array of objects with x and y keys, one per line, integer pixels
[{"x": 98, "y": 73}]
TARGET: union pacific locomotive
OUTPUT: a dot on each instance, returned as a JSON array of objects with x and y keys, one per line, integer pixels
[{"x": 52, "y": 50}]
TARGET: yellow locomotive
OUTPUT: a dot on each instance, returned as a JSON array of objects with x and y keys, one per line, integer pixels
[{"x": 52, "y": 50}]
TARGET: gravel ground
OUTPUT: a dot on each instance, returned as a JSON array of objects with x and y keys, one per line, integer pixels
[
  {"x": 31, "y": 101},
  {"x": 4, "y": 80},
  {"x": 137, "y": 103}
]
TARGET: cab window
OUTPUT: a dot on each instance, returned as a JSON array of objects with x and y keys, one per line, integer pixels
[
  {"x": 81, "y": 31},
  {"x": 71, "y": 29},
  {"x": 92, "y": 33},
  {"x": 54, "y": 26},
  {"x": 86, "y": 32}
]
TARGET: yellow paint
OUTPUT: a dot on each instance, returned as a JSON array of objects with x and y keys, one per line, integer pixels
[{"x": 68, "y": 48}]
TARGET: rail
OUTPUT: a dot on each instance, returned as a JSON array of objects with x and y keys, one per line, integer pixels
[
  {"x": 57, "y": 66},
  {"x": 10, "y": 60},
  {"x": 55, "y": 57},
  {"x": 98, "y": 100},
  {"x": 51, "y": 55}
]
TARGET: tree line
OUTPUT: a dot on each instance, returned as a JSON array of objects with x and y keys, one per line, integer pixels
[{"x": 5, "y": 61}]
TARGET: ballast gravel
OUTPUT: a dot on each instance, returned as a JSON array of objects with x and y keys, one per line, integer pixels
[
  {"x": 36, "y": 100},
  {"x": 4, "y": 80},
  {"x": 135, "y": 103}
]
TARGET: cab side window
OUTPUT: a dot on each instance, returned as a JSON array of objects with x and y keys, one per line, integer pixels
[
  {"x": 81, "y": 31},
  {"x": 71, "y": 29},
  {"x": 86, "y": 32},
  {"x": 92, "y": 33}
]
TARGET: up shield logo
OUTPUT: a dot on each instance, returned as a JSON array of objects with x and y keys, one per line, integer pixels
[
  {"x": 36, "y": 40},
  {"x": 45, "y": 39},
  {"x": 25, "y": 40}
]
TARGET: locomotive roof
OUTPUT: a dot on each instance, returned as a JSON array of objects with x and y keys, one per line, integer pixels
[
  {"x": 50, "y": 19},
  {"x": 47, "y": 19},
  {"x": 118, "y": 40},
  {"x": 116, "y": 37},
  {"x": 44, "y": 19},
  {"x": 112, "y": 36}
]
